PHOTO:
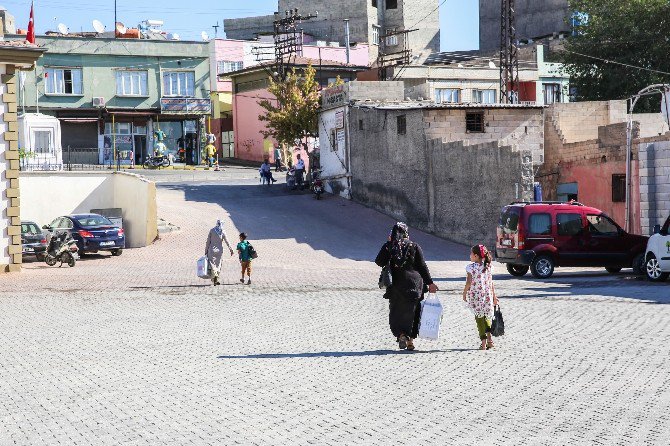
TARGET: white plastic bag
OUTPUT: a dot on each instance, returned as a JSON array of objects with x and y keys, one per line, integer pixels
[
  {"x": 431, "y": 318},
  {"x": 203, "y": 268}
]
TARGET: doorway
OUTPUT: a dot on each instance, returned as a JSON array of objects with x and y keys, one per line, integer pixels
[{"x": 140, "y": 148}]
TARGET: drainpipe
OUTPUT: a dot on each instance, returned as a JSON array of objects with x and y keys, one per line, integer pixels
[{"x": 346, "y": 38}]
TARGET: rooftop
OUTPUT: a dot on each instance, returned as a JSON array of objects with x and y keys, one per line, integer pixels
[{"x": 430, "y": 105}]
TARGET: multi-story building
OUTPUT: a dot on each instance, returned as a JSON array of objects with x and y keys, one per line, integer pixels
[
  {"x": 113, "y": 93},
  {"x": 368, "y": 20},
  {"x": 534, "y": 19}
]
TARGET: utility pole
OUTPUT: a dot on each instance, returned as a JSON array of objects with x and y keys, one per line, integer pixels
[
  {"x": 389, "y": 58},
  {"x": 347, "y": 40},
  {"x": 288, "y": 39},
  {"x": 216, "y": 29},
  {"x": 115, "y": 21},
  {"x": 509, "y": 54}
]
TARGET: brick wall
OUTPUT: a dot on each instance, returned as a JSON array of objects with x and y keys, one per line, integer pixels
[
  {"x": 10, "y": 220},
  {"x": 513, "y": 127},
  {"x": 654, "y": 182},
  {"x": 454, "y": 189}
]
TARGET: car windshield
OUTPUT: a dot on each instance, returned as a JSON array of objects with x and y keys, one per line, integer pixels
[
  {"x": 91, "y": 221},
  {"x": 30, "y": 229}
]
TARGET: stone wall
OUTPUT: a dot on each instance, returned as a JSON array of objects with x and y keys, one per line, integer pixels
[
  {"x": 452, "y": 189},
  {"x": 514, "y": 127},
  {"x": 10, "y": 220},
  {"x": 579, "y": 121},
  {"x": 654, "y": 182}
]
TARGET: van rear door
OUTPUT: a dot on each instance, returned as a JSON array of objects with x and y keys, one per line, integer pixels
[{"x": 507, "y": 233}]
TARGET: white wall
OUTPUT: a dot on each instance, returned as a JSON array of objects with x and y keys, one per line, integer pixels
[
  {"x": 333, "y": 162},
  {"x": 46, "y": 196},
  {"x": 4, "y": 184}
]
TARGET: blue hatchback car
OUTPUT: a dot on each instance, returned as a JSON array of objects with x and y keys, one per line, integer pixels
[{"x": 92, "y": 232}]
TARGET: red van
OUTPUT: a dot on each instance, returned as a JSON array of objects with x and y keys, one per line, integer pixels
[{"x": 542, "y": 236}]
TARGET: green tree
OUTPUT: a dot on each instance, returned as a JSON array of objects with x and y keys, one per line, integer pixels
[
  {"x": 631, "y": 32},
  {"x": 293, "y": 117}
]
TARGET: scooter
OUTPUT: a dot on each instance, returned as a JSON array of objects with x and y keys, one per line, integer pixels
[
  {"x": 317, "y": 184},
  {"x": 154, "y": 162},
  {"x": 62, "y": 248},
  {"x": 291, "y": 182}
]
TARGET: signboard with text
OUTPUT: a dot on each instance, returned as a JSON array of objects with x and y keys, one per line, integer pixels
[{"x": 334, "y": 97}]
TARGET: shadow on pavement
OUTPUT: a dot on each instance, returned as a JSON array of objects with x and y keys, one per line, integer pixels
[
  {"x": 341, "y": 354},
  {"x": 341, "y": 228}
]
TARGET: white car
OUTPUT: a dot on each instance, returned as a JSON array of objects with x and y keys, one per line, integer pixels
[{"x": 657, "y": 259}]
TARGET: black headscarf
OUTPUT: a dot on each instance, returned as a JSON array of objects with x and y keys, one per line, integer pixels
[{"x": 400, "y": 244}]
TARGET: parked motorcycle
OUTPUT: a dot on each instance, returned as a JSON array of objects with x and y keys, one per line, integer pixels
[
  {"x": 317, "y": 184},
  {"x": 154, "y": 162},
  {"x": 62, "y": 248}
]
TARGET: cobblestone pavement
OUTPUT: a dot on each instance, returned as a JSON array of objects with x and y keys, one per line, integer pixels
[{"x": 136, "y": 350}]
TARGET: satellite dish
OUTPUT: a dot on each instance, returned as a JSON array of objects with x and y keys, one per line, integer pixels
[
  {"x": 98, "y": 26},
  {"x": 175, "y": 36},
  {"x": 121, "y": 28},
  {"x": 63, "y": 29},
  {"x": 491, "y": 64},
  {"x": 204, "y": 36},
  {"x": 460, "y": 65}
]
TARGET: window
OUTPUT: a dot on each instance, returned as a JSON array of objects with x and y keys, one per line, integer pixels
[
  {"x": 402, "y": 124},
  {"x": 474, "y": 122},
  {"x": 42, "y": 141},
  {"x": 226, "y": 66},
  {"x": 376, "y": 32},
  {"x": 360, "y": 124},
  {"x": 509, "y": 221},
  {"x": 618, "y": 188},
  {"x": 30, "y": 229},
  {"x": 552, "y": 93},
  {"x": 540, "y": 224},
  {"x": 601, "y": 225},
  {"x": 392, "y": 41},
  {"x": 179, "y": 83},
  {"x": 484, "y": 96},
  {"x": 120, "y": 128},
  {"x": 447, "y": 95},
  {"x": 569, "y": 224},
  {"x": 391, "y": 4},
  {"x": 93, "y": 221},
  {"x": 63, "y": 81},
  {"x": 374, "y": 3},
  {"x": 131, "y": 83}
]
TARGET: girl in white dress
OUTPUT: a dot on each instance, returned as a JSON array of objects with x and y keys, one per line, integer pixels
[{"x": 479, "y": 293}]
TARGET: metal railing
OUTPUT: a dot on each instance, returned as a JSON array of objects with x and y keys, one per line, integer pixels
[{"x": 72, "y": 159}]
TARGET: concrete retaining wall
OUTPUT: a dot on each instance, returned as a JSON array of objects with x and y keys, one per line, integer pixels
[{"x": 46, "y": 196}]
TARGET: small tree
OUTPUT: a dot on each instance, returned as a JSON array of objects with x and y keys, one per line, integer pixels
[{"x": 294, "y": 115}]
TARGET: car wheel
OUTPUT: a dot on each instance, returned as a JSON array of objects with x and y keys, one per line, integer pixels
[
  {"x": 653, "y": 270},
  {"x": 117, "y": 252},
  {"x": 639, "y": 264},
  {"x": 542, "y": 267},
  {"x": 612, "y": 270},
  {"x": 517, "y": 270}
]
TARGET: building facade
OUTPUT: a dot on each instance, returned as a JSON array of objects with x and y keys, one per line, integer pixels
[
  {"x": 440, "y": 167},
  {"x": 368, "y": 20},
  {"x": 113, "y": 94},
  {"x": 534, "y": 19}
]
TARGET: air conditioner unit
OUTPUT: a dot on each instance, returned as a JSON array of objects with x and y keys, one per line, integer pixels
[{"x": 98, "y": 102}]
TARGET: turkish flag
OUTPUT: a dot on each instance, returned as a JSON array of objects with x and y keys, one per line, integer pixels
[{"x": 31, "y": 25}]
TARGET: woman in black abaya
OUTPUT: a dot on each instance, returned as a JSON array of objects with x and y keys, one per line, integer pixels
[{"x": 411, "y": 278}]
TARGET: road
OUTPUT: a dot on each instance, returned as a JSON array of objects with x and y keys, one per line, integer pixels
[{"x": 137, "y": 350}]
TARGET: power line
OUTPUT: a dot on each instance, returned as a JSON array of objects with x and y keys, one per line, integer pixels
[{"x": 618, "y": 63}]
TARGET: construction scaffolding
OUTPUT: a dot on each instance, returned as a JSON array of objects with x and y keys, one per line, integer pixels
[
  {"x": 389, "y": 55},
  {"x": 288, "y": 40}
]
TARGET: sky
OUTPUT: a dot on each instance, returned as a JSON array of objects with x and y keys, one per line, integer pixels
[{"x": 459, "y": 18}]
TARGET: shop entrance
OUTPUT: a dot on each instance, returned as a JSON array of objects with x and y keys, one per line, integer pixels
[{"x": 140, "y": 148}]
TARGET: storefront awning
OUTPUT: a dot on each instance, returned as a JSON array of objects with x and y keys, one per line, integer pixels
[
  {"x": 78, "y": 120},
  {"x": 131, "y": 113}
]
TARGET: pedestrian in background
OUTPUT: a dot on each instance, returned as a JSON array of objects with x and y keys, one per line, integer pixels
[
  {"x": 266, "y": 172},
  {"x": 299, "y": 172},
  {"x": 411, "y": 279},
  {"x": 479, "y": 293},
  {"x": 214, "y": 250},
  {"x": 278, "y": 157},
  {"x": 244, "y": 251}
]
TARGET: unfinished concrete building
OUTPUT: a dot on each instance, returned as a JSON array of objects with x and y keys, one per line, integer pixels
[
  {"x": 533, "y": 19},
  {"x": 368, "y": 20}
]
